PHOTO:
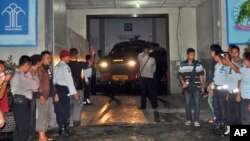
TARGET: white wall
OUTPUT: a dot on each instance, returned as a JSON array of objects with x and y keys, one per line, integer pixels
[{"x": 17, "y": 52}]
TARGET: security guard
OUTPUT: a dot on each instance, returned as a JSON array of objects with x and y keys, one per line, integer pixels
[
  {"x": 220, "y": 93},
  {"x": 233, "y": 106},
  {"x": 64, "y": 88},
  {"x": 221, "y": 89}
]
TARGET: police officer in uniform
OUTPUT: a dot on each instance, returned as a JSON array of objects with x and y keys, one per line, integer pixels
[
  {"x": 64, "y": 88},
  {"x": 220, "y": 89}
]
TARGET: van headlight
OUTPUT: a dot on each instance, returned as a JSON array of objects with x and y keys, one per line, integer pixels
[
  {"x": 131, "y": 63},
  {"x": 104, "y": 64}
]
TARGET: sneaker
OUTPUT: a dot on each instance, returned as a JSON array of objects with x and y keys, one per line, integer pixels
[
  {"x": 211, "y": 121},
  {"x": 188, "y": 123},
  {"x": 197, "y": 124},
  {"x": 88, "y": 101},
  {"x": 227, "y": 132},
  {"x": 84, "y": 102}
]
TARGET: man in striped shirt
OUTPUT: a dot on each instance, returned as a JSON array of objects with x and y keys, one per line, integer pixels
[{"x": 191, "y": 76}]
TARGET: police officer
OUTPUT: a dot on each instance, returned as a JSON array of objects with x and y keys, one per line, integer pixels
[
  {"x": 233, "y": 106},
  {"x": 220, "y": 93},
  {"x": 64, "y": 88},
  {"x": 23, "y": 84},
  {"x": 220, "y": 87}
]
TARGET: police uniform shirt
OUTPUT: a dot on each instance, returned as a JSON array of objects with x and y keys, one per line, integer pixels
[
  {"x": 220, "y": 74},
  {"x": 24, "y": 84},
  {"x": 245, "y": 83},
  {"x": 232, "y": 80},
  {"x": 63, "y": 77},
  {"x": 238, "y": 63}
]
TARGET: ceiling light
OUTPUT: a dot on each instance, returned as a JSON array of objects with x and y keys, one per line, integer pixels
[
  {"x": 138, "y": 4},
  {"x": 135, "y": 15}
]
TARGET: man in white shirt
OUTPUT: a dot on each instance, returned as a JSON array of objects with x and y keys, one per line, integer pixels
[
  {"x": 64, "y": 87},
  {"x": 146, "y": 74}
]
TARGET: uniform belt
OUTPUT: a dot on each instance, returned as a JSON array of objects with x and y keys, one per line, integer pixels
[
  {"x": 220, "y": 87},
  {"x": 57, "y": 85},
  {"x": 226, "y": 87},
  {"x": 20, "y": 95},
  {"x": 234, "y": 91}
]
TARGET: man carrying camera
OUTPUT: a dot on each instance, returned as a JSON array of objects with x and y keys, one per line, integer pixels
[{"x": 146, "y": 74}]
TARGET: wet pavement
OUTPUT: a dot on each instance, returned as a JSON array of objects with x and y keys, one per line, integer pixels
[{"x": 118, "y": 119}]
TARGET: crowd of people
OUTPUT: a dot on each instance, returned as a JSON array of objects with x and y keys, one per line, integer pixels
[
  {"x": 36, "y": 88},
  {"x": 228, "y": 90}
]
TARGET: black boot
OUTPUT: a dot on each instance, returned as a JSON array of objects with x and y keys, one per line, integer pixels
[
  {"x": 76, "y": 123},
  {"x": 68, "y": 131},
  {"x": 217, "y": 129},
  {"x": 62, "y": 131},
  {"x": 220, "y": 129},
  {"x": 30, "y": 138}
]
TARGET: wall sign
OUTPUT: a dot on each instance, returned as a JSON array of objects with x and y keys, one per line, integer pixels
[
  {"x": 236, "y": 33},
  {"x": 18, "y": 23},
  {"x": 128, "y": 27}
]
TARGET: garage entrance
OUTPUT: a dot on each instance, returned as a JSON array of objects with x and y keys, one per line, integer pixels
[{"x": 105, "y": 31}]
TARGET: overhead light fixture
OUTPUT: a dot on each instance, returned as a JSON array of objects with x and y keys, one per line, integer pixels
[
  {"x": 135, "y": 15},
  {"x": 138, "y": 4}
]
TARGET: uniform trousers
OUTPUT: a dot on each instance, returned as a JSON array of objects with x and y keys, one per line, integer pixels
[
  {"x": 21, "y": 111},
  {"x": 62, "y": 107},
  {"x": 220, "y": 105}
]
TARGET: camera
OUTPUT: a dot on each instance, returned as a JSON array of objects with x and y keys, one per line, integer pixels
[
  {"x": 6, "y": 72},
  {"x": 223, "y": 55}
]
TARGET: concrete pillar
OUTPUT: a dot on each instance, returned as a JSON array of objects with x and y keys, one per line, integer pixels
[
  {"x": 60, "y": 27},
  {"x": 207, "y": 33}
]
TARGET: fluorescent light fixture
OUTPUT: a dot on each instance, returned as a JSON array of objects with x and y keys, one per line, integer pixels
[
  {"x": 138, "y": 4},
  {"x": 135, "y": 15}
]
